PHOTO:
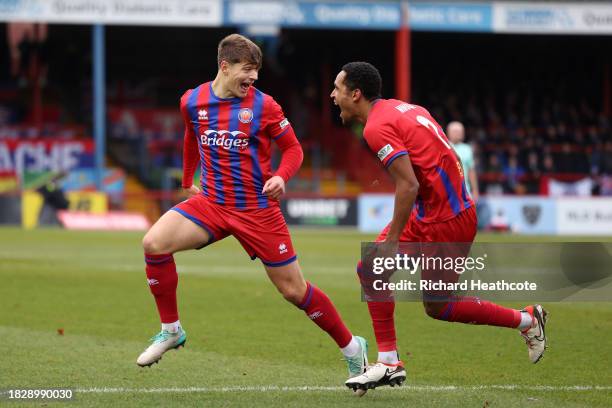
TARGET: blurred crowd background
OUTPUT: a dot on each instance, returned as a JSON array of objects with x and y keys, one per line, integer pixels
[{"x": 536, "y": 108}]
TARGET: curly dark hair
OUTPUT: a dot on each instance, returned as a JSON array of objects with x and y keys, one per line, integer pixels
[{"x": 365, "y": 77}]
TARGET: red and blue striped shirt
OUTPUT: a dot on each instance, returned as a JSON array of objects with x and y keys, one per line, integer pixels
[
  {"x": 395, "y": 128},
  {"x": 231, "y": 138}
]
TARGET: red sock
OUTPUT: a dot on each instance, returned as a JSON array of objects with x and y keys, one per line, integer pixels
[
  {"x": 163, "y": 280},
  {"x": 384, "y": 327},
  {"x": 381, "y": 306},
  {"x": 322, "y": 312},
  {"x": 469, "y": 309}
]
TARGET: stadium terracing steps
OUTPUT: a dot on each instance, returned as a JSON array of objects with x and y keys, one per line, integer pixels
[
  {"x": 139, "y": 199},
  {"x": 349, "y": 152}
]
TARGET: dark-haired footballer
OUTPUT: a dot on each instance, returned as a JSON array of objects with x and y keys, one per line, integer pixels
[
  {"x": 229, "y": 129},
  {"x": 431, "y": 206}
]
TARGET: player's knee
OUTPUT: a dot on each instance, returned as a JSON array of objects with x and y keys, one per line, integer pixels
[
  {"x": 293, "y": 292},
  {"x": 152, "y": 245},
  {"x": 434, "y": 309},
  {"x": 292, "y": 295}
]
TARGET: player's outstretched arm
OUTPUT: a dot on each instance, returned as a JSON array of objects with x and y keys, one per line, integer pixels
[
  {"x": 191, "y": 158},
  {"x": 406, "y": 190},
  {"x": 280, "y": 130},
  {"x": 292, "y": 155},
  {"x": 191, "y": 154},
  {"x": 291, "y": 160}
]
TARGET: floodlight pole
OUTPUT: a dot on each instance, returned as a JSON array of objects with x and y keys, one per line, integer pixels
[
  {"x": 403, "y": 66},
  {"x": 99, "y": 101},
  {"x": 607, "y": 90}
]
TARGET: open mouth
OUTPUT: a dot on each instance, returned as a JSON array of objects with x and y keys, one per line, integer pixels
[{"x": 244, "y": 87}]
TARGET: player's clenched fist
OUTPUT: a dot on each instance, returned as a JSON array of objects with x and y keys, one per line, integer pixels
[
  {"x": 191, "y": 191},
  {"x": 274, "y": 187}
]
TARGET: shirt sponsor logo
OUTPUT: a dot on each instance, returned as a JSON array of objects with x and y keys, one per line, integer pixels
[
  {"x": 245, "y": 115},
  {"x": 284, "y": 123},
  {"x": 235, "y": 140},
  {"x": 405, "y": 107},
  {"x": 384, "y": 152},
  {"x": 202, "y": 114}
]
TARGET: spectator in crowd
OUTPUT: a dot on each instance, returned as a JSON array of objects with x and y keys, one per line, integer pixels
[
  {"x": 513, "y": 173},
  {"x": 495, "y": 176},
  {"x": 533, "y": 173},
  {"x": 54, "y": 199},
  {"x": 5, "y": 115},
  {"x": 565, "y": 159},
  {"x": 605, "y": 159},
  {"x": 456, "y": 134},
  {"x": 494, "y": 164},
  {"x": 548, "y": 164},
  {"x": 601, "y": 167}
]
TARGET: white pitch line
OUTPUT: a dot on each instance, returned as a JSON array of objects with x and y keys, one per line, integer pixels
[{"x": 314, "y": 388}]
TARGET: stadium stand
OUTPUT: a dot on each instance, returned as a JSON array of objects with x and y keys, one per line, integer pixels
[{"x": 525, "y": 127}]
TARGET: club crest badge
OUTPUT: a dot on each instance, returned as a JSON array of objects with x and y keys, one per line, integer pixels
[
  {"x": 532, "y": 213},
  {"x": 245, "y": 115}
]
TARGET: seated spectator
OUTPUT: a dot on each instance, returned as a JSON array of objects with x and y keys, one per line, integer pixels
[
  {"x": 548, "y": 164},
  {"x": 533, "y": 173},
  {"x": 513, "y": 173}
]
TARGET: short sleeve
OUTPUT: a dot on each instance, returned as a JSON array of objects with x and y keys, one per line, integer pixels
[
  {"x": 277, "y": 124},
  {"x": 385, "y": 143}
]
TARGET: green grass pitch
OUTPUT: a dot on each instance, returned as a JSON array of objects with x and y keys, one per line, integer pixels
[{"x": 248, "y": 347}]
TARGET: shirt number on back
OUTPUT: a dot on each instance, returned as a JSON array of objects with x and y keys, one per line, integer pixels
[{"x": 431, "y": 126}]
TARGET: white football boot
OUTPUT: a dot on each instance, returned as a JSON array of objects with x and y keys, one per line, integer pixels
[
  {"x": 161, "y": 342},
  {"x": 535, "y": 336},
  {"x": 377, "y": 375}
]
